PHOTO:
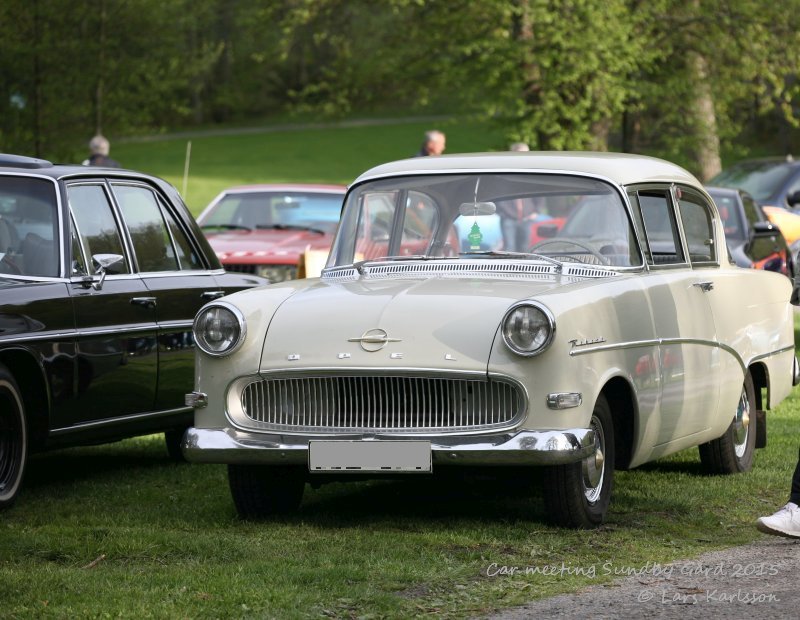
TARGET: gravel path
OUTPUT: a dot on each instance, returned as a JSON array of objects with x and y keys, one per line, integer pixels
[{"x": 759, "y": 580}]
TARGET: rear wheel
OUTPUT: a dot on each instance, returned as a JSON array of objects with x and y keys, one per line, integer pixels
[
  {"x": 577, "y": 495},
  {"x": 13, "y": 439},
  {"x": 734, "y": 451},
  {"x": 260, "y": 491}
]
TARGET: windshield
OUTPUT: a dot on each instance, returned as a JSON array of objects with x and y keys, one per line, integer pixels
[
  {"x": 28, "y": 227},
  {"x": 267, "y": 210},
  {"x": 760, "y": 179},
  {"x": 469, "y": 215}
]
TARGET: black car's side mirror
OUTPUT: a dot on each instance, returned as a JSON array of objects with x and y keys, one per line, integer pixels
[
  {"x": 793, "y": 199},
  {"x": 103, "y": 265},
  {"x": 764, "y": 228}
]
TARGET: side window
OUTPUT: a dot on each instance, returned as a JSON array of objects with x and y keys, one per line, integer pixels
[
  {"x": 188, "y": 259},
  {"x": 750, "y": 210},
  {"x": 97, "y": 229},
  {"x": 151, "y": 240},
  {"x": 697, "y": 226},
  {"x": 661, "y": 230},
  {"x": 637, "y": 216},
  {"x": 420, "y": 221}
]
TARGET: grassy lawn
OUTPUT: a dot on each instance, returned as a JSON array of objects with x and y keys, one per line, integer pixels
[
  {"x": 329, "y": 155},
  {"x": 118, "y": 530}
]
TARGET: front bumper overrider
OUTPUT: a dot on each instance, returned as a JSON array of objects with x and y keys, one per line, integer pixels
[{"x": 524, "y": 447}]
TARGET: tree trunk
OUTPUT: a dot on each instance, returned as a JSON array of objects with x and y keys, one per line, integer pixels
[{"x": 705, "y": 119}]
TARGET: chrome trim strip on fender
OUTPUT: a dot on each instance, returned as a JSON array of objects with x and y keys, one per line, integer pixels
[
  {"x": 549, "y": 447},
  {"x": 119, "y": 420}
]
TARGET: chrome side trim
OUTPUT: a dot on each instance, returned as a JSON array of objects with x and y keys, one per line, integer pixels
[
  {"x": 546, "y": 447},
  {"x": 776, "y": 352},
  {"x": 37, "y": 337},
  {"x": 118, "y": 420}
]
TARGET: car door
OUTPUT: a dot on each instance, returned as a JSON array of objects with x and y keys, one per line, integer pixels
[
  {"x": 683, "y": 324},
  {"x": 177, "y": 279},
  {"x": 117, "y": 364}
]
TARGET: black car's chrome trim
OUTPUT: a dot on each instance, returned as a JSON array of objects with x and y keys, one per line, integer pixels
[
  {"x": 37, "y": 337},
  {"x": 118, "y": 420}
]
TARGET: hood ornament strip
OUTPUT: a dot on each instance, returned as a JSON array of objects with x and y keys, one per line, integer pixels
[{"x": 374, "y": 340}]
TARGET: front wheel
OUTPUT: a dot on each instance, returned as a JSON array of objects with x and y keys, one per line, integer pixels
[
  {"x": 734, "y": 451},
  {"x": 261, "y": 491},
  {"x": 13, "y": 439},
  {"x": 577, "y": 495}
]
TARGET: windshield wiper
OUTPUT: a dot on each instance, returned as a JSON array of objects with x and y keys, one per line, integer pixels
[
  {"x": 524, "y": 255},
  {"x": 289, "y": 227},
  {"x": 225, "y": 226}
]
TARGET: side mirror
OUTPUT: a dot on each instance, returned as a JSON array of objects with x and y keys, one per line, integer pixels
[
  {"x": 764, "y": 228},
  {"x": 105, "y": 264},
  {"x": 793, "y": 199}
]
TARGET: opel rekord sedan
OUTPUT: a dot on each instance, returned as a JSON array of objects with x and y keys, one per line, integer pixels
[{"x": 624, "y": 334}]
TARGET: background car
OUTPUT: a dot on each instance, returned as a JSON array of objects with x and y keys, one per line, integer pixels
[
  {"x": 101, "y": 274},
  {"x": 774, "y": 183},
  {"x": 753, "y": 240},
  {"x": 265, "y": 229},
  {"x": 625, "y": 337}
]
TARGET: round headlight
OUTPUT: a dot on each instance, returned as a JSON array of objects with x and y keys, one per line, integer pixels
[
  {"x": 219, "y": 329},
  {"x": 528, "y": 329}
]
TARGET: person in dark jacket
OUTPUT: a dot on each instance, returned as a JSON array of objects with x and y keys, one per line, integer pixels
[{"x": 98, "y": 153}]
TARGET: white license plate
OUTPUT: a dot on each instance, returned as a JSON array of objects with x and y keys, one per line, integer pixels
[{"x": 369, "y": 456}]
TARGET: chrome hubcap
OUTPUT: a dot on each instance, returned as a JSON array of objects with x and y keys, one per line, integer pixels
[
  {"x": 594, "y": 465},
  {"x": 741, "y": 424}
]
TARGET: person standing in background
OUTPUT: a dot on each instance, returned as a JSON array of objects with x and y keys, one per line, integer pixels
[
  {"x": 99, "y": 148},
  {"x": 433, "y": 144}
]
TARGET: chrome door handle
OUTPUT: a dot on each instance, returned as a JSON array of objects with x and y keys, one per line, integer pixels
[
  {"x": 147, "y": 302},
  {"x": 209, "y": 295},
  {"x": 704, "y": 286}
]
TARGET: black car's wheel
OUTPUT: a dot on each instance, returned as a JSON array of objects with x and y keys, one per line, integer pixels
[
  {"x": 577, "y": 495},
  {"x": 172, "y": 439},
  {"x": 13, "y": 439},
  {"x": 261, "y": 491},
  {"x": 733, "y": 452}
]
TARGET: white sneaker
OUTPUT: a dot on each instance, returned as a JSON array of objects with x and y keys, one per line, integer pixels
[{"x": 785, "y": 522}]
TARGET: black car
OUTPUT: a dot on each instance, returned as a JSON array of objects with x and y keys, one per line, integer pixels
[
  {"x": 101, "y": 274},
  {"x": 752, "y": 239},
  {"x": 771, "y": 181}
]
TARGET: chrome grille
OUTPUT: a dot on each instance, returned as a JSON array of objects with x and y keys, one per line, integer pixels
[{"x": 381, "y": 404}]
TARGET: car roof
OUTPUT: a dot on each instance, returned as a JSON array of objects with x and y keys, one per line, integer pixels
[
  {"x": 287, "y": 187},
  {"x": 19, "y": 164},
  {"x": 622, "y": 168}
]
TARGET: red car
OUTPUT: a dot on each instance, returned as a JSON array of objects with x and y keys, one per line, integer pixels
[{"x": 265, "y": 229}]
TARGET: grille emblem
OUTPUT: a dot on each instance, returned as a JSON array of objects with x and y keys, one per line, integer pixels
[{"x": 373, "y": 340}]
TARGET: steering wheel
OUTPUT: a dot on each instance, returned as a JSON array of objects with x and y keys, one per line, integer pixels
[{"x": 601, "y": 260}]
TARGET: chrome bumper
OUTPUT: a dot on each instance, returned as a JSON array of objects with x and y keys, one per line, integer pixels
[{"x": 226, "y": 445}]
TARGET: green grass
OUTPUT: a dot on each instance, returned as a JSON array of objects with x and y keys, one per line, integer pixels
[
  {"x": 118, "y": 530},
  {"x": 327, "y": 155}
]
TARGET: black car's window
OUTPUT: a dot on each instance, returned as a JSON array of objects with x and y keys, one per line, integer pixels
[
  {"x": 729, "y": 213},
  {"x": 188, "y": 259},
  {"x": 751, "y": 210},
  {"x": 78, "y": 260},
  {"x": 96, "y": 226},
  {"x": 697, "y": 226},
  {"x": 664, "y": 247},
  {"x": 28, "y": 227},
  {"x": 151, "y": 240}
]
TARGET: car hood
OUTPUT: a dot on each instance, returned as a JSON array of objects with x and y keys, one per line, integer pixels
[
  {"x": 434, "y": 323},
  {"x": 254, "y": 245}
]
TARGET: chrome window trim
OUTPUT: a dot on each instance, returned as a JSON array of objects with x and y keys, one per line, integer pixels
[
  {"x": 715, "y": 262},
  {"x": 666, "y": 188}
]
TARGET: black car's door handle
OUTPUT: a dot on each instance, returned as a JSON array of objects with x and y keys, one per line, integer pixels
[
  {"x": 147, "y": 302},
  {"x": 209, "y": 295}
]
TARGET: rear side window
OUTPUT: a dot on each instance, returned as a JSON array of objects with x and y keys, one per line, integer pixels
[
  {"x": 697, "y": 226},
  {"x": 158, "y": 240}
]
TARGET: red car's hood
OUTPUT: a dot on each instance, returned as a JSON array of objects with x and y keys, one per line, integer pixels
[{"x": 255, "y": 244}]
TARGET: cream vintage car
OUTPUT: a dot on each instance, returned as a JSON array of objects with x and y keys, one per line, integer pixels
[{"x": 623, "y": 334}]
